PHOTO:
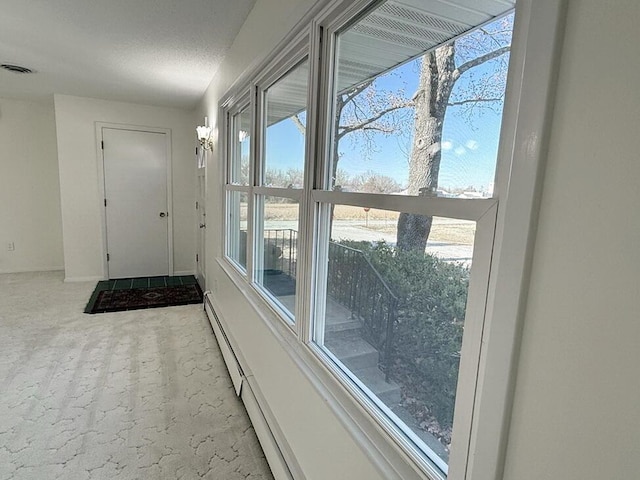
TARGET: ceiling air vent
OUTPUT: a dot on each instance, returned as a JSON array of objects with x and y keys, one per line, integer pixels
[{"x": 16, "y": 68}]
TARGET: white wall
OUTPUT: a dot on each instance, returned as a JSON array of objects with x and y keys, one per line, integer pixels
[
  {"x": 577, "y": 405},
  {"x": 80, "y": 193},
  {"x": 29, "y": 188},
  {"x": 575, "y": 414}
]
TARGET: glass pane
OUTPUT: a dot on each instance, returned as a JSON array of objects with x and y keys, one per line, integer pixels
[
  {"x": 285, "y": 117},
  {"x": 237, "y": 227},
  {"x": 393, "y": 315},
  {"x": 278, "y": 251},
  {"x": 240, "y": 144},
  {"x": 412, "y": 123}
]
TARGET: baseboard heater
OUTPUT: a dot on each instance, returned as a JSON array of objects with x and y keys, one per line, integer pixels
[
  {"x": 230, "y": 359},
  {"x": 249, "y": 393}
]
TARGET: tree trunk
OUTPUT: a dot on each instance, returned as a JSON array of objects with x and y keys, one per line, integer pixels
[{"x": 437, "y": 78}]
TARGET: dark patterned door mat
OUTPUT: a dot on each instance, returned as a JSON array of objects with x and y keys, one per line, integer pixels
[{"x": 143, "y": 292}]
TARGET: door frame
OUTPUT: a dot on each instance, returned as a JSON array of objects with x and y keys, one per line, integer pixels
[
  {"x": 201, "y": 236},
  {"x": 101, "y": 186}
]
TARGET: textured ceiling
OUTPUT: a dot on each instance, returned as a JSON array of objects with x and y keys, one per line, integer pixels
[{"x": 157, "y": 52}]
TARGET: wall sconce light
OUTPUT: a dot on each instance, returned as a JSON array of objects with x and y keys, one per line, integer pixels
[{"x": 204, "y": 136}]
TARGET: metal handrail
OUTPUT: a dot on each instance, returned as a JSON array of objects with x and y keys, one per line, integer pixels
[
  {"x": 375, "y": 271},
  {"x": 281, "y": 250},
  {"x": 355, "y": 283},
  {"x": 352, "y": 281}
]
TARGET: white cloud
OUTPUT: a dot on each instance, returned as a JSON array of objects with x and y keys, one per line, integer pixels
[
  {"x": 472, "y": 145},
  {"x": 460, "y": 151},
  {"x": 447, "y": 145}
]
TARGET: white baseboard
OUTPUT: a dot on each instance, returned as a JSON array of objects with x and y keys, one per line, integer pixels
[
  {"x": 183, "y": 273},
  {"x": 34, "y": 270},
  {"x": 268, "y": 442},
  {"x": 285, "y": 464},
  {"x": 83, "y": 279},
  {"x": 231, "y": 361},
  {"x": 276, "y": 449}
]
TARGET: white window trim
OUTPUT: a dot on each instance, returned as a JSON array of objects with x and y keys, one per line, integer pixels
[
  {"x": 464, "y": 209},
  {"x": 233, "y": 236},
  {"x": 232, "y": 107},
  {"x": 237, "y": 108},
  {"x": 523, "y": 146},
  {"x": 270, "y": 72},
  {"x": 484, "y": 214},
  {"x": 523, "y": 143},
  {"x": 289, "y": 59}
]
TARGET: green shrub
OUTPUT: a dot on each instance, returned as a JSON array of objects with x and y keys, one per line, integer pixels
[{"x": 432, "y": 296}]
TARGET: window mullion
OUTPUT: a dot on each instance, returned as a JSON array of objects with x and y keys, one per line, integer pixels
[
  {"x": 472, "y": 340},
  {"x": 236, "y": 186},
  {"x": 253, "y": 179},
  {"x": 313, "y": 157},
  {"x": 463, "y": 209},
  {"x": 293, "y": 194}
]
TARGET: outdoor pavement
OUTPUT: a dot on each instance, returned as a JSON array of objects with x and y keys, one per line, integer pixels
[{"x": 378, "y": 230}]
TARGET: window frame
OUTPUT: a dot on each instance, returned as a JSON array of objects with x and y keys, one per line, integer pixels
[
  {"x": 286, "y": 61},
  {"x": 233, "y": 107},
  {"x": 522, "y": 146},
  {"x": 482, "y": 211}
]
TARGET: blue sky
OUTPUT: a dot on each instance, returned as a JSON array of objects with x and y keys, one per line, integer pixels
[{"x": 469, "y": 146}]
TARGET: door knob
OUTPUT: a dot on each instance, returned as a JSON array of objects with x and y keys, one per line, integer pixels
[
  {"x": 162, "y": 214},
  {"x": 202, "y": 225}
]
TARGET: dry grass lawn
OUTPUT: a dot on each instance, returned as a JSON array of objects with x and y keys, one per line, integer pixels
[{"x": 444, "y": 230}]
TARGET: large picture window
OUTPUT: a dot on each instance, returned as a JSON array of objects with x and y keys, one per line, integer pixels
[
  {"x": 418, "y": 127},
  {"x": 363, "y": 208}
]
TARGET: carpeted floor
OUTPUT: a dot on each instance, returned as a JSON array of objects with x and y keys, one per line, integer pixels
[{"x": 142, "y": 394}]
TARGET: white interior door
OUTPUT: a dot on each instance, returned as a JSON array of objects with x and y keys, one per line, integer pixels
[
  {"x": 136, "y": 203},
  {"x": 202, "y": 226}
]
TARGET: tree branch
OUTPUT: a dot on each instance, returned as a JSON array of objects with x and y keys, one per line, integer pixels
[
  {"x": 298, "y": 123},
  {"x": 369, "y": 121},
  {"x": 369, "y": 128},
  {"x": 473, "y": 100},
  {"x": 479, "y": 61},
  {"x": 351, "y": 94}
]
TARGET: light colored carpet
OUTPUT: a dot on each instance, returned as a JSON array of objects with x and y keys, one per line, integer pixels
[{"x": 130, "y": 395}]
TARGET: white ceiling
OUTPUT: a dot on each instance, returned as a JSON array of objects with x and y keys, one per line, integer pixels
[{"x": 157, "y": 52}]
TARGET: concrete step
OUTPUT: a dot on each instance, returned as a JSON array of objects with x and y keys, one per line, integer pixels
[
  {"x": 353, "y": 351},
  {"x": 338, "y": 318},
  {"x": 335, "y": 325},
  {"x": 373, "y": 378}
]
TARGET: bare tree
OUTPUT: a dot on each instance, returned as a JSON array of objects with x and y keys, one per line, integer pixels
[
  {"x": 367, "y": 110},
  {"x": 364, "y": 111},
  {"x": 372, "y": 182},
  {"x": 289, "y": 178},
  {"x": 440, "y": 70}
]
